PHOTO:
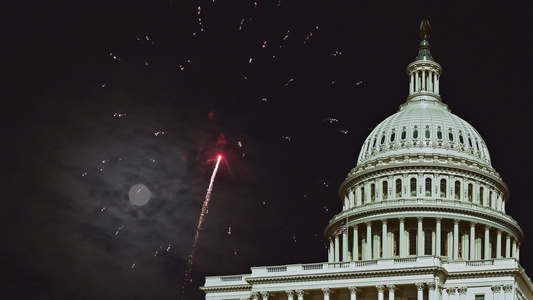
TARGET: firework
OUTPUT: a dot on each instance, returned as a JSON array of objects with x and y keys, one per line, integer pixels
[{"x": 199, "y": 227}]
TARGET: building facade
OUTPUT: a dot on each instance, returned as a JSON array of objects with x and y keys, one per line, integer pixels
[{"x": 423, "y": 216}]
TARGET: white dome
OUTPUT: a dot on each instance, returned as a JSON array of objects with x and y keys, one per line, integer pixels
[{"x": 424, "y": 127}]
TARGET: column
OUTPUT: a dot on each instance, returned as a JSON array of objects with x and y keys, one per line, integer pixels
[
  {"x": 437, "y": 236},
  {"x": 411, "y": 84},
  {"x": 451, "y": 293},
  {"x": 355, "y": 251},
  {"x": 487, "y": 254},
  {"x": 499, "y": 244},
  {"x": 345, "y": 245},
  {"x": 380, "y": 289},
  {"x": 384, "y": 244},
  {"x": 326, "y": 292},
  {"x": 420, "y": 238},
  {"x": 337, "y": 249},
  {"x": 508, "y": 245},
  {"x": 300, "y": 294},
  {"x": 455, "y": 238},
  {"x": 436, "y": 84},
  {"x": 514, "y": 249},
  {"x": 391, "y": 288},
  {"x": 368, "y": 240},
  {"x": 496, "y": 290},
  {"x": 290, "y": 294},
  {"x": 401, "y": 236},
  {"x": 508, "y": 289},
  {"x": 423, "y": 74},
  {"x": 431, "y": 290},
  {"x": 255, "y": 295},
  {"x": 462, "y": 293},
  {"x": 353, "y": 292},
  {"x": 420, "y": 289},
  {"x": 472, "y": 240}
]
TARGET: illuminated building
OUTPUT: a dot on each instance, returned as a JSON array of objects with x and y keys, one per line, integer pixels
[{"x": 423, "y": 216}]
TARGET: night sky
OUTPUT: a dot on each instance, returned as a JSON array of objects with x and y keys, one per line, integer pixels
[{"x": 98, "y": 96}]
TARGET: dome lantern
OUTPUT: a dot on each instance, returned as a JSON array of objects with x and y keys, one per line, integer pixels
[{"x": 424, "y": 72}]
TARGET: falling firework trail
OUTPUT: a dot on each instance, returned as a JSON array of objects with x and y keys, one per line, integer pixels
[{"x": 200, "y": 220}]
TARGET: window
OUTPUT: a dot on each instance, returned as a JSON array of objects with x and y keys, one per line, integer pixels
[
  {"x": 439, "y": 134},
  {"x": 384, "y": 190},
  {"x": 460, "y": 246},
  {"x": 450, "y": 136},
  {"x": 470, "y": 142},
  {"x": 372, "y": 192},
  {"x": 443, "y": 188},
  {"x": 461, "y": 139},
  {"x": 383, "y": 139},
  {"x": 374, "y": 143},
  {"x": 428, "y": 187},
  {"x": 413, "y": 187},
  {"x": 398, "y": 188},
  {"x": 427, "y": 242},
  {"x": 457, "y": 190},
  {"x": 428, "y": 132},
  {"x": 392, "y": 136},
  {"x": 490, "y": 199},
  {"x": 404, "y": 134},
  {"x": 415, "y": 133},
  {"x": 412, "y": 242},
  {"x": 480, "y": 297},
  {"x": 396, "y": 243},
  {"x": 470, "y": 192},
  {"x": 481, "y": 198},
  {"x": 362, "y": 195}
]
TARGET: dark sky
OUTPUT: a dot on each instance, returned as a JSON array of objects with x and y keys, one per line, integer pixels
[{"x": 98, "y": 96}]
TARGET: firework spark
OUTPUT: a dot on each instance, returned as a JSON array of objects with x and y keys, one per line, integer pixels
[{"x": 199, "y": 227}]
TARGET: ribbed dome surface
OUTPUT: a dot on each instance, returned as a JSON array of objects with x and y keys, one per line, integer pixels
[{"x": 424, "y": 128}]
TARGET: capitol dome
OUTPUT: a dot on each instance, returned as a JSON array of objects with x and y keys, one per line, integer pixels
[{"x": 424, "y": 127}]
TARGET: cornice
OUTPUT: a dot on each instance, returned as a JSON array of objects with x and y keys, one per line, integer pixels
[{"x": 436, "y": 271}]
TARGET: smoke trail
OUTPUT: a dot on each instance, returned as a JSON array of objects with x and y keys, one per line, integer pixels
[{"x": 200, "y": 220}]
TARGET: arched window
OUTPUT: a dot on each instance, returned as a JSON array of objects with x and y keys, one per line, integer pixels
[
  {"x": 470, "y": 142},
  {"x": 428, "y": 132},
  {"x": 384, "y": 190},
  {"x": 470, "y": 193},
  {"x": 413, "y": 187},
  {"x": 450, "y": 135},
  {"x": 374, "y": 143},
  {"x": 363, "y": 195},
  {"x": 392, "y": 136},
  {"x": 481, "y": 198},
  {"x": 428, "y": 187},
  {"x": 372, "y": 192},
  {"x": 404, "y": 134},
  {"x": 415, "y": 133},
  {"x": 461, "y": 139},
  {"x": 457, "y": 190},
  {"x": 412, "y": 242},
  {"x": 444, "y": 243},
  {"x": 398, "y": 188},
  {"x": 443, "y": 188},
  {"x": 428, "y": 241},
  {"x": 383, "y": 139},
  {"x": 439, "y": 133}
]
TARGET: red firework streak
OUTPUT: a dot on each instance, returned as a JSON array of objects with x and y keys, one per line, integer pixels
[{"x": 200, "y": 221}]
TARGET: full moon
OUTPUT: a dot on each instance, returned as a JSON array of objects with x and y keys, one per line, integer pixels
[{"x": 139, "y": 195}]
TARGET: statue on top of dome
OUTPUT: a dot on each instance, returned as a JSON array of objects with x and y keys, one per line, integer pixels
[{"x": 425, "y": 29}]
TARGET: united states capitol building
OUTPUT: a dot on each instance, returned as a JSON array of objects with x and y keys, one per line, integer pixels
[{"x": 423, "y": 216}]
